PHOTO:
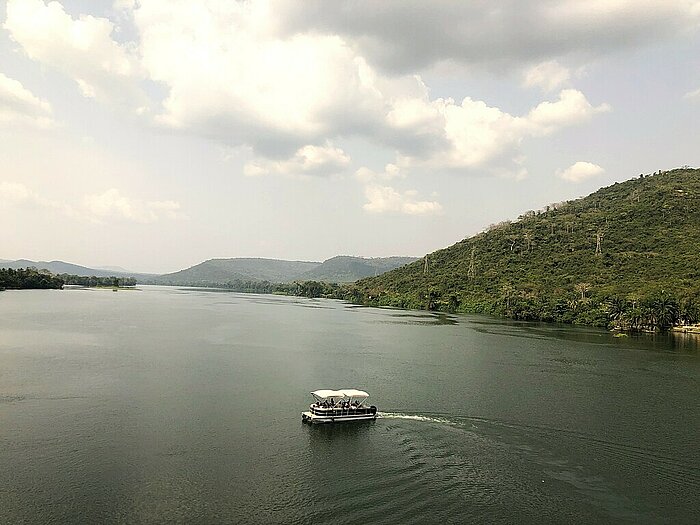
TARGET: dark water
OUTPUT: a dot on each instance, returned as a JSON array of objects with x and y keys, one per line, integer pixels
[{"x": 167, "y": 405}]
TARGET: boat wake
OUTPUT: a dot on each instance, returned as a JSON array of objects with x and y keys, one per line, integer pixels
[{"x": 414, "y": 417}]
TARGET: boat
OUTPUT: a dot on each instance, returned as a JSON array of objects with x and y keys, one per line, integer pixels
[{"x": 335, "y": 406}]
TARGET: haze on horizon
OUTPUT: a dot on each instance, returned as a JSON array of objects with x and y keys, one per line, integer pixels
[{"x": 155, "y": 134}]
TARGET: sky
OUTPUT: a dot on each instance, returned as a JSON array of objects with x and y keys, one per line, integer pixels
[{"x": 156, "y": 134}]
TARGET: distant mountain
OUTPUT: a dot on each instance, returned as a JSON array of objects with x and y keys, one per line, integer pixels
[
  {"x": 59, "y": 267},
  {"x": 222, "y": 271},
  {"x": 118, "y": 269},
  {"x": 216, "y": 272},
  {"x": 346, "y": 269}
]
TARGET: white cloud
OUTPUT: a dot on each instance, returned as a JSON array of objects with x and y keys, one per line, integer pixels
[
  {"x": 233, "y": 76},
  {"x": 17, "y": 194},
  {"x": 19, "y": 106},
  {"x": 81, "y": 48},
  {"x": 580, "y": 171},
  {"x": 308, "y": 160},
  {"x": 385, "y": 199},
  {"x": 692, "y": 95},
  {"x": 235, "y": 72},
  {"x": 391, "y": 171},
  {"x": 112, "y": 204},
  {"x": 13, "y": 192},
  {"x": 571, "y": 108},
  {"x": 479, "y": 136},
  {"x": 109, "y": 204},
  {"x": 549, "y": 75}
]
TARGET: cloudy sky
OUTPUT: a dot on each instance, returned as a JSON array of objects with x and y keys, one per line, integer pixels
[{"x": 155, "y": 134}]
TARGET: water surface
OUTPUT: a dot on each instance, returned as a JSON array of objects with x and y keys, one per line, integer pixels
[{"x": 182, "y": 405}]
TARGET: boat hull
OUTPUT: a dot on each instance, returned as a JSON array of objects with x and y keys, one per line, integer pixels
[{"x": 308, "y": 417}]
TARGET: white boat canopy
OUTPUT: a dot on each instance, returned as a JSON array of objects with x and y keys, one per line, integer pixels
[{"x": 340, "y": 394}]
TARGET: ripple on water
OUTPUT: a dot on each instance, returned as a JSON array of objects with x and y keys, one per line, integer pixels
[
  {"x": 437, "y": 468},
  {"x": 11, "y": 398}
]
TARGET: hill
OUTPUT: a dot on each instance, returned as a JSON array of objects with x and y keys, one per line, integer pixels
[
  {"x": 244, "y": 272},
  {"x": 345, "y": 269},
  {"x": 222, "y": 271},
  {"x": 61, "y": 267},
  {"x": 625, "y": 256}
]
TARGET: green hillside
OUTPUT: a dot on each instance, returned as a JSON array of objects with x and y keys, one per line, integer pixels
[{"x": 627, "y": 255}]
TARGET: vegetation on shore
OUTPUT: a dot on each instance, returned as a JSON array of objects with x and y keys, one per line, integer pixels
[
  {"x": 25, "y": 278},
  {"x": 310, "y": 289},
  {"x": 98, "y": 282},
  {"x": 32, "y": 278},
  {"x": 626, "y": 257}
]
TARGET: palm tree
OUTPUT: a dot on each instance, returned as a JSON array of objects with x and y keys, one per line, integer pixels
[
  {"x": 616, "y": 308},
  {"x": 665, "y": 312},
  {"x": 690, "y": 311},
  {"x": 633, "y": 318}
]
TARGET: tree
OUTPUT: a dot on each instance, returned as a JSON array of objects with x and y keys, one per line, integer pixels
[
  {"x": 616, "y": 308},
  {"x": 507, "y": 294},
  {"x": 527, "y": 235},
  {"x": 583, "y": 288},
  {"x": 311, "y": 289},
  {"x": 689, "y": 311},
  {"x": 665, "y": 312}
]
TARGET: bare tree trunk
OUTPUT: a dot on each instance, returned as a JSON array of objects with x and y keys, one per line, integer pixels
[{"x": 471, "y": 273}]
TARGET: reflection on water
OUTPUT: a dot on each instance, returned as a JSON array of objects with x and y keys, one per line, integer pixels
[
  {"x": 663, "y": 342},
  {"x": 333, "y": 435},
  {"x": 258, "y": 298},
  {"x": 670, "y": 342},
  {"x": 390, "y": 316}
]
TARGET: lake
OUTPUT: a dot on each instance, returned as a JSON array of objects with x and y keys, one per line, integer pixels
[{"x": 164, "y": 405}]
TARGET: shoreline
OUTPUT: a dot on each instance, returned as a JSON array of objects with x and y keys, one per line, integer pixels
[{"x": 687, "y": 329}]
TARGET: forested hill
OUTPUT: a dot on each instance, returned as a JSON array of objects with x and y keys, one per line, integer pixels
[
  {"x": 345, "y": 269},
  {"x": 627, "y": 255},
  {"x": 221, "y": 271},
  {"x": 244, "y": 272}
]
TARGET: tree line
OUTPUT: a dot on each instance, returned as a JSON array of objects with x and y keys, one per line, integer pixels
[
  {"x": 26, "y": 278},
  {"x": 311, "y": 289},
  {"x": 93, "y": 281},
  {"x": 33, "y": 278}
]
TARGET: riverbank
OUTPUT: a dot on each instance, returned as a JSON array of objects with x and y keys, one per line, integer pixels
[{"x": 687, "y": 329}]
